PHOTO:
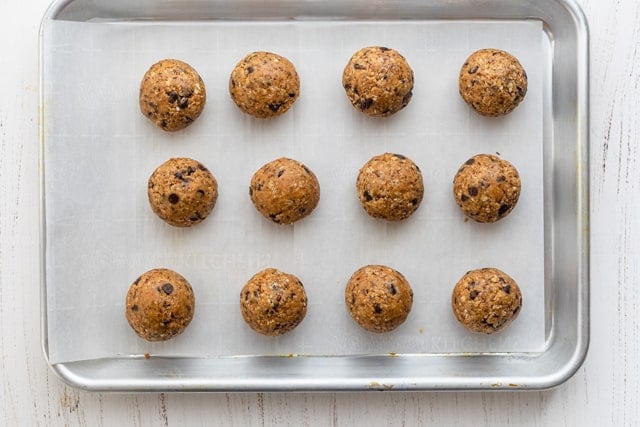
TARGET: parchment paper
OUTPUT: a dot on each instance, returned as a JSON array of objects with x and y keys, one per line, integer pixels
[{"x": 100, "y": 151}]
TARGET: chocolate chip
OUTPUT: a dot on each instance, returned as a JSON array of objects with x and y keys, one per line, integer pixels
[
  {"x": 383, "y": 49},
  {"x": 503, "y": 209},
  {"x": 470, "y": 161},
  {"x": 134, "y": 307},
  {"x": 524, "y": 74},
  {"x": 406, "y": 99},
  {"x": 367, "y": 196},
  {"x": 473, "y": 191},
  {"x": 200, "y": 193},
  {"x": 506, "y": 289},
  {"x": 347, "y": 86},
  {"x": 473, "y": 70},
  {"x": 195, "y": 217},
  {"x": 246, "y": 296},
  {"x": 280, "y": 173},
  {"x": 184, "y": 103},
  {"x": 521, "y": 92},
  {"x": 516, "y": 310},
  {"x": 202, "y": 167},
  {"x": 186, "y": 92},
  {"x": 163, "y": 124},
  {"x": 274, "y": 107},
  {"x": 292, "y": 95},
  {"x": 167, "y": 288},
  {"x": 306, "y": 169},
  {"x": 501, "y": 178},
  {"x": 249, "y": 70},
  {"x": 392, "y": 289},
  {"x": 377, "y": 309},
  {"x": 414, "y": 201},
  {"x": 233, "y": 83},
  {"x": 358, "y": 66},
  {"x": 250, "y": 191},
  {"x": 173, "y": 198},
  {"x": 464, "y": 198},
  {"x": 474, "y": 294},
  {"x": 366, "y": 103},
  {"x": 400, "y": 156},
  {"x": 135, "y": 282},
  {"x": 173, "y": 96}
]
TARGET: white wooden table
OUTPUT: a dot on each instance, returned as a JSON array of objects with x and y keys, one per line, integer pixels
[{"x": 604, "y": 392}]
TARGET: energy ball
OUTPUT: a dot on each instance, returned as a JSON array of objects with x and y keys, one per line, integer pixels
[
  {"x": 182, "y": 192},
  {"x": 284, "y": 191},
  {"x": 378, "y": 298},
  {"x": 493, "y": 82},
  {"x": 486, "y": 300},
  {"x": 264, "y": 84},
  {"x": 486, "y": 188},
  {"x": 378, "y": 81},
  {"x": 172, "y": 94},
  {"x": 390, "y": 187},
  {"x": 160, "y": 305},
  {"x": 273, "y": 302}
]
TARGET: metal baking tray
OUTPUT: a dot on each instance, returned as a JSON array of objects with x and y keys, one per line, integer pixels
[{"x": 566, "y": 215}]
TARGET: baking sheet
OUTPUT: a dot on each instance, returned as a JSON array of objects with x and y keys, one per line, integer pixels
[{"x": 101, "y": 234}]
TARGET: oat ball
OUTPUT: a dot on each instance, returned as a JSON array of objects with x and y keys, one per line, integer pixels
[
  {"x": 160, "y": 305},
  {"x": 390, "y": 187},
  {"x": 172, "y": 94},
  {"x": 486, "y": 300},
  {"x": 486, "y": 188},
  {"x": 378, "y": 81},
  {"x": 273, "y": 302},
  {"x": 182, "y": 192},
  {"x": 264, "y": 84},
  {"x": 493, "y": 82},
  {"x": 284, "y": 191},
  {"x": 378, "y": 298}
]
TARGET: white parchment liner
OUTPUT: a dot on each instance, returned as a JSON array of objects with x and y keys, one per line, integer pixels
[{"x": 100, "y": 151}]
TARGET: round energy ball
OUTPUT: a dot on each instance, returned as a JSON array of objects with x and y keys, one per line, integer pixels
[
  {"x": 390, "y": 187},
  {"x": 160, "y": 305},
  {"x": 284, "y": 191},
  {"x": 264, "y": 84},
  {"x": 486, "y": 188},
  {"x": 182, "y": 192},
  {"x": 486, "y": 300},
  {"x": 378, "y": 298},
  {"x": 493, "y": 82},
  {"x": 172, "y": 94},
  {"x": 378, "y": 81},
  {"x": 273, "y": 302}
]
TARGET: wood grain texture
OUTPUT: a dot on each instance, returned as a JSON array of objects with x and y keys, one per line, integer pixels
[{"x": 605, "y": 391}]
